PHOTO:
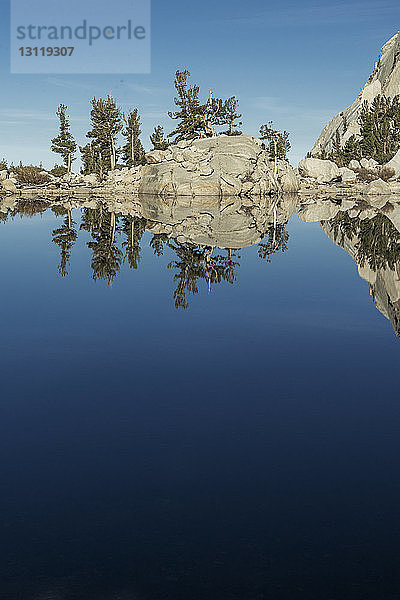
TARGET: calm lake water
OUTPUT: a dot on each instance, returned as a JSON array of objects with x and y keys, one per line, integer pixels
[{"x": 199, "y": 403}]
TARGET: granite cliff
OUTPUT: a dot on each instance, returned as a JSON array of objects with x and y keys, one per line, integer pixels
[{"x": 385, "y": 79}]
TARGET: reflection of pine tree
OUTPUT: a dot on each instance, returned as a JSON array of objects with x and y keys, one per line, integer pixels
[
  {"x": 134, "y": 229},
  {"x": 158, "y": 242},
  {"x": 377, "y": 241},
  {"x": 276, "y": 240},
  {"x": 197, "y": 262},
  {"x": 65, "y": 238},
  {"x": 379, "y": 244},
  {"x": 344, "y": 227},
  {"x": 189, "y": 268},
  {"x": 91, "y": 219},
  {"x": 228, "y": 265},
  {"x": 107, "y": 257}
]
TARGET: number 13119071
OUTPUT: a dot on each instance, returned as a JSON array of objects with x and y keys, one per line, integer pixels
[{"x": 46, "y": 51}]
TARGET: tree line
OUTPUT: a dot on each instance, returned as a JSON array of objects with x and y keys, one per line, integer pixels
[
  {"x": 193, "y": 120},
  {"x": 379, "y": 136}
]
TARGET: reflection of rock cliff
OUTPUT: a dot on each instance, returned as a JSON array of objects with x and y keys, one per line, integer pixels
[
  {"x": 385, "y": 79},
  {"x": 374, "y": 244}
]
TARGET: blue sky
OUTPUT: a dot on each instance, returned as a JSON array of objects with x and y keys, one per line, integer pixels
[{"x": 294, "y": 62}]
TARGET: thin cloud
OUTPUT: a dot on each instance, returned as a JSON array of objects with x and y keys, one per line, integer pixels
[
  {"x": 17, "y": 116},
  {"x": 13, "y": 114},
  {"x": 69, "y": 84},
  {"x": 143, "y": 89},
  {"x": 300, "y": 14}
]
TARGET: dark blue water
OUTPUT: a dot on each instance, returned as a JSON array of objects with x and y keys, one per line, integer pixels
[{"x": 244, "y": 447}]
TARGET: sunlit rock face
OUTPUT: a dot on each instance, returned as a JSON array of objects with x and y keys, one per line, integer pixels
[
  {"x": 218, "y": 166},
  {"x": 385, "y": 79}
]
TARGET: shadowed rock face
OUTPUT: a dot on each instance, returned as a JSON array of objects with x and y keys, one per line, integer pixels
[{"x": 385, "y": 79}]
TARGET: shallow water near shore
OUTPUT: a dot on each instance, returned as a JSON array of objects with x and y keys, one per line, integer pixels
[{"x": 198, "y": 404}]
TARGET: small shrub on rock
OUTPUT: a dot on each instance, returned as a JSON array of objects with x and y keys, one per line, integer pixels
[
  {"x": 59, "y": 171},
  {"x": 31, "y": 175},
  {"x": 386, "y": 173},
  {"x": 368, "y": 175}
]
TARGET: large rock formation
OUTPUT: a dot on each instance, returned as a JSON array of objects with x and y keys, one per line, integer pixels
[
  {"x": 323, "y": 171},
  {"x": 385, "y": 79},
  {"x": 218, "y": 166},
  {"x": 8, "y": 186}
]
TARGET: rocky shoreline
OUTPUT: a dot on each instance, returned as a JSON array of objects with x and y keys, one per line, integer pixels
[{"x": 221, "y": 167}]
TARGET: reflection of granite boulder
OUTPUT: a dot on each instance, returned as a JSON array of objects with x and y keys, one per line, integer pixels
[
  {"x": 378, "y": 188},
  {"x": 318, "y": 211},
  {"x": 228, "y": 224},
  {"x": 218, "y": 166}
]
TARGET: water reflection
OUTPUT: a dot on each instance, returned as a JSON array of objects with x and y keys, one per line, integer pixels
[
  {"x": 65, "y": 237},
  {"x": 369, "y": 230},
  {"x": 203, "y": 240},
  {"x": 374, "y": 244}
]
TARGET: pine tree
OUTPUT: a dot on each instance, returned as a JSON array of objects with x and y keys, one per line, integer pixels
[
  {"x": 158, "y": 139},
  {"x": 337, "y": 155},
  {"x": 64, "y": 144},
  {"x": 278, "y": 144},
  {"x": 212, "y": 114},
  {"x": 189, "y": 114},
  {"x": 351, "y": 150},
  {"x": 133, "y": 151},
  {"x": 380, "y": 128},
  {"x": 94, "y": 159},
  {"x": 106, "y": 125},
  {"x": 231, "y": 115}
]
